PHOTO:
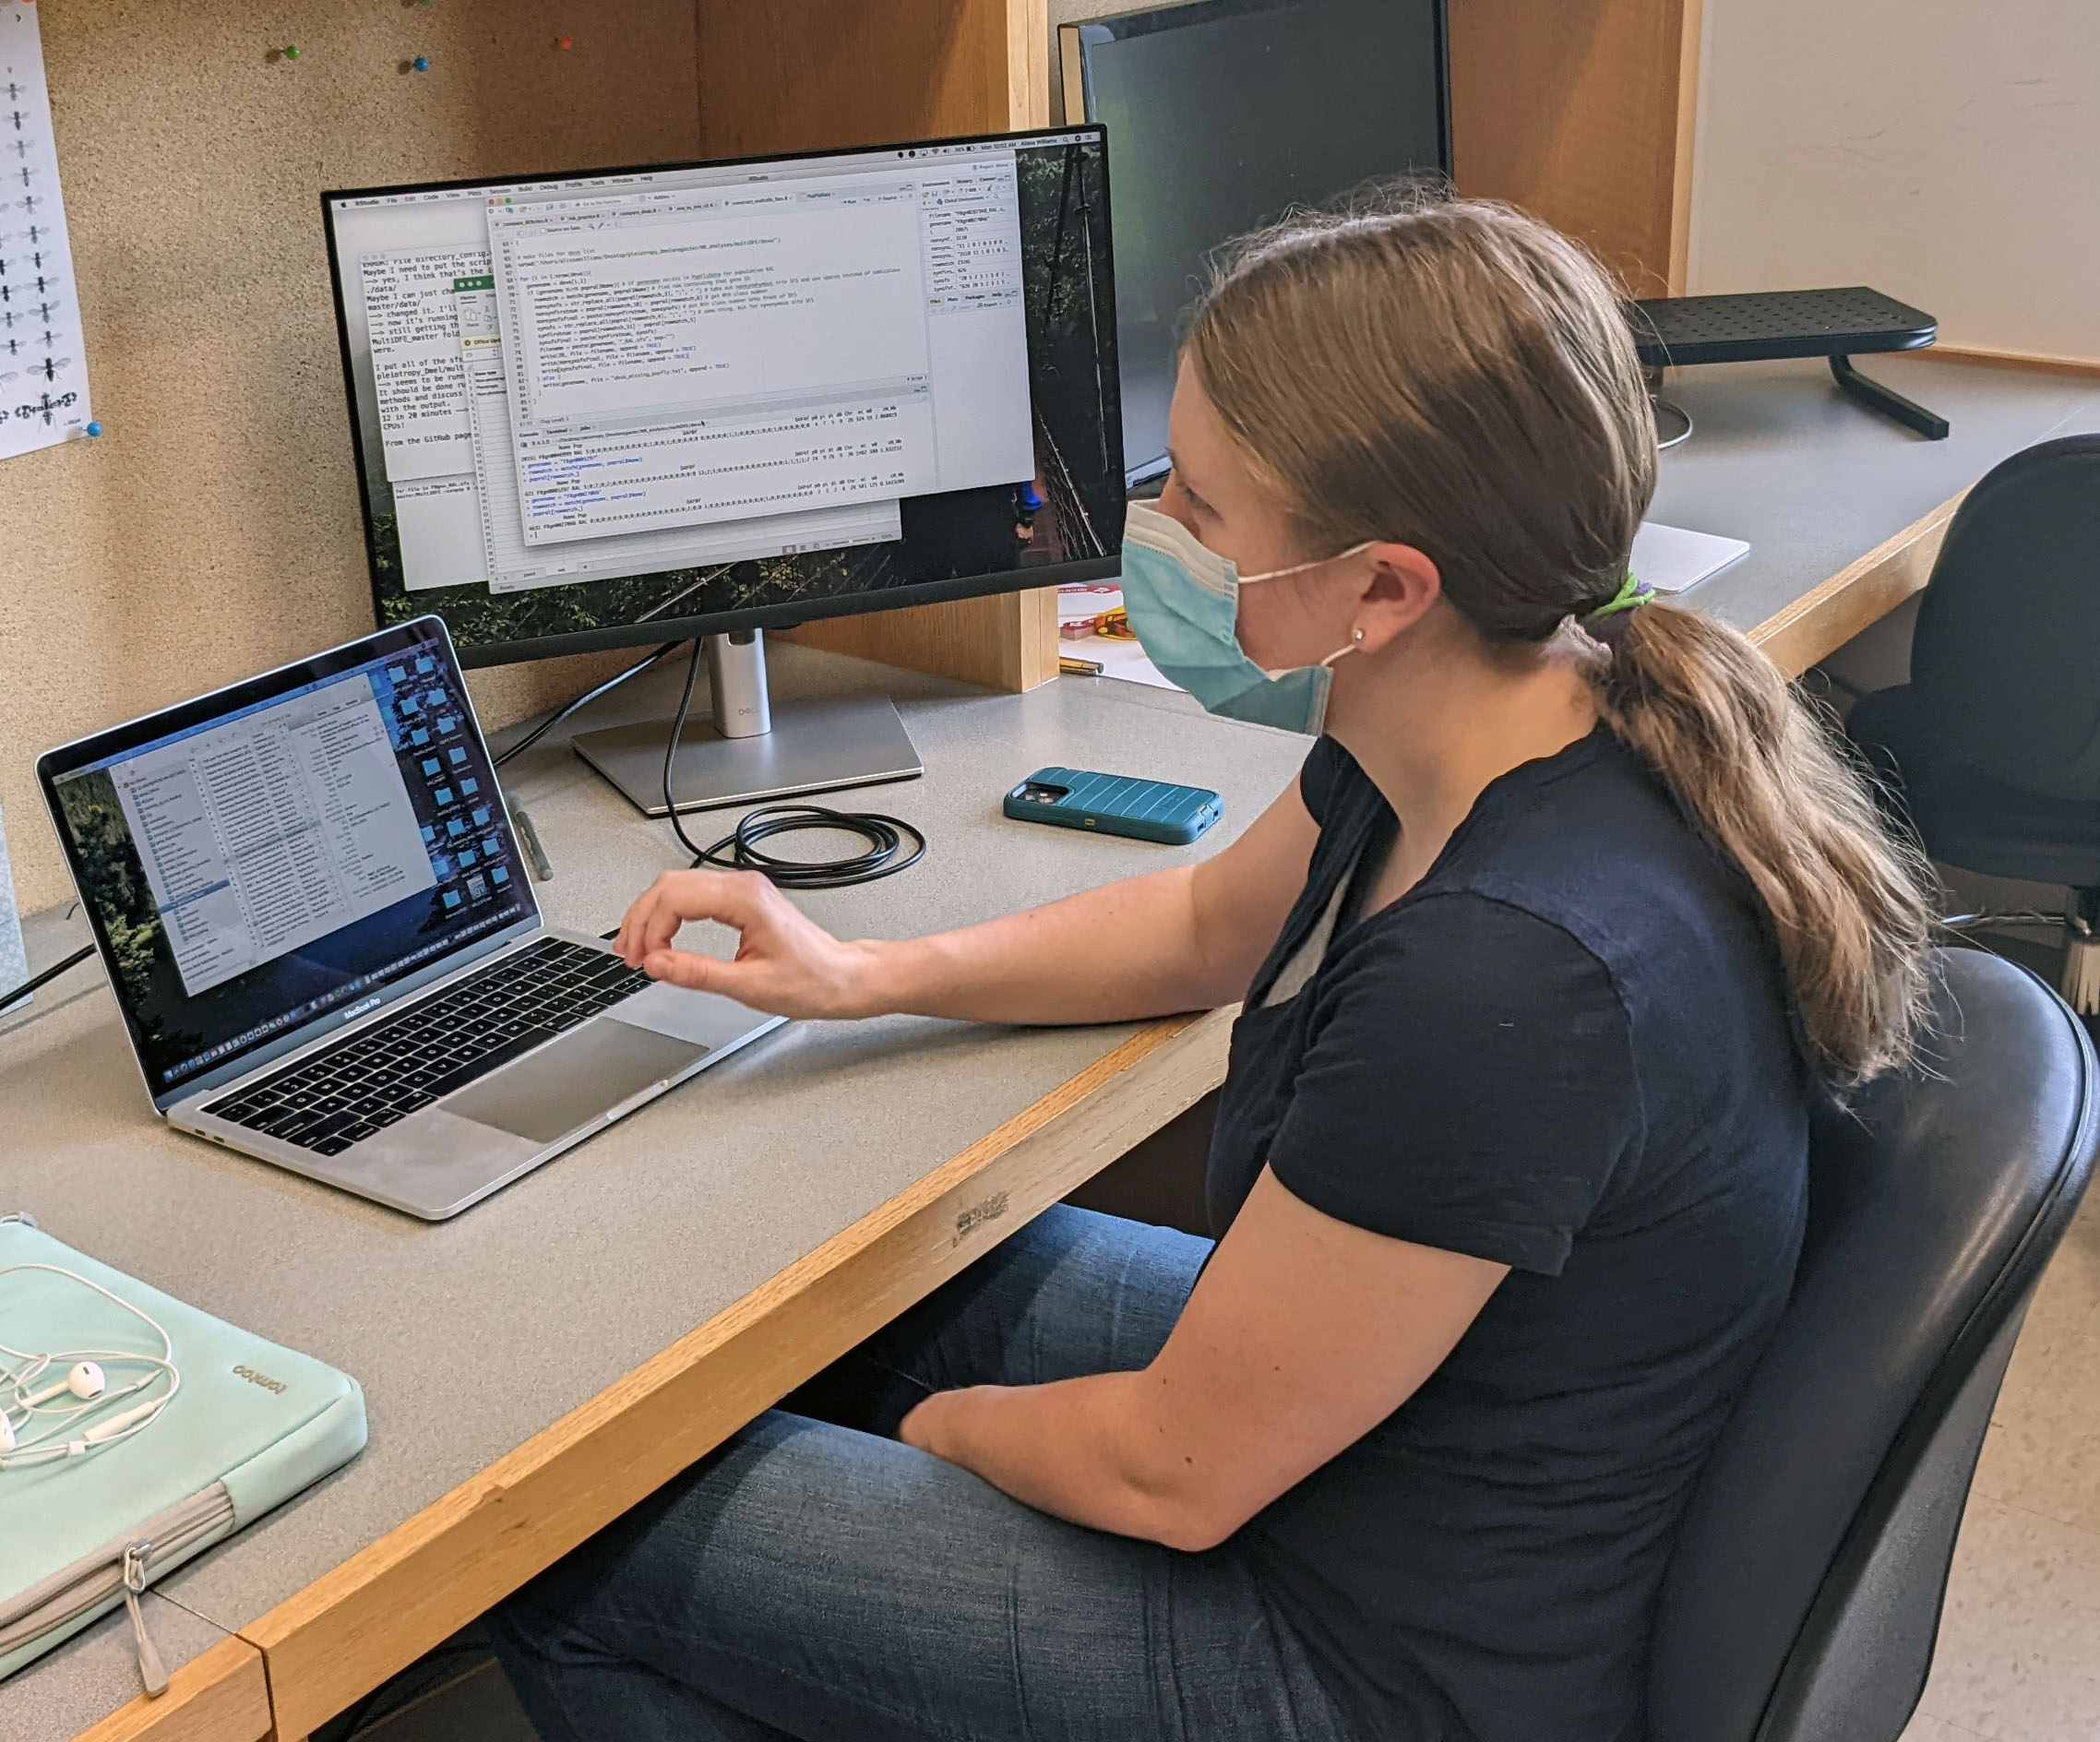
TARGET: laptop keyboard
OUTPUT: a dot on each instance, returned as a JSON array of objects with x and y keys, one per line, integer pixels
[{"x": 339, "y": 1096}]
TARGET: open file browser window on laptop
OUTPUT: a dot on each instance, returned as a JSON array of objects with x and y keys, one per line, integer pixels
[{"x": 325, "y": 943}]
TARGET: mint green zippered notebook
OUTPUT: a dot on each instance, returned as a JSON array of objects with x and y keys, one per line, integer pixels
[{"x": 252, "y": 1424}]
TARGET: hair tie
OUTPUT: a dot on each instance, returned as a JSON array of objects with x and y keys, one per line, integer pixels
[{"x": 1608, "y": 622}]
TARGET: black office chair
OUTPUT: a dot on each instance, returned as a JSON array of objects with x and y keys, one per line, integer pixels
[
  {"x": 1993, "y": 749},
  {"x": 1803, "y": 1597}
]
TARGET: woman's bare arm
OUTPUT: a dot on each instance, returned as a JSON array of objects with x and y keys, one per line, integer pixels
[
  {"x": 1303, "y": 1334},
  {"x": 1181, "y": 939}
]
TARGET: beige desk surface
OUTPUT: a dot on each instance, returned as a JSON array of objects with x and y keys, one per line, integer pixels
[
  {"x": 536, "y": 1366},
  {"x": 1843, "y": 509},
  {"x": 474, "y": 1336}
]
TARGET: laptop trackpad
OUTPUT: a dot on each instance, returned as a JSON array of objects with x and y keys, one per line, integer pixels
[{"x": 589, "y": 1071}]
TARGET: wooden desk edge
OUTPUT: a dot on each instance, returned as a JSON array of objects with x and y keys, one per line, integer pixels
[
  {"x": 223, "y": 1696},
  {"x": 1823, "y": 620},
  {"x": 376, "y": 1613}
]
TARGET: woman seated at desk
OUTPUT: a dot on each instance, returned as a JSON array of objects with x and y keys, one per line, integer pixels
[{"x": 1569, "y": 919}]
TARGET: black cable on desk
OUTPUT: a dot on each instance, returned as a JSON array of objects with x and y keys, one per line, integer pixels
[
  {"x": 37, "y": 981},
  {"x": 584, "y": 700},
  {"x": 739, "y": 850}
]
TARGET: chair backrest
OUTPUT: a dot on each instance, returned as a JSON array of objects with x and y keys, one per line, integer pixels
[
  {"x": 1803, "y": 1597},
  {"x": 2002, "y": 664}
]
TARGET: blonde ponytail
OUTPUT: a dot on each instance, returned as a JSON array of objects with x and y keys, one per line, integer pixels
[
  {"x": 1758, "y": 774},
  {"x": 1455, "y": 375}
]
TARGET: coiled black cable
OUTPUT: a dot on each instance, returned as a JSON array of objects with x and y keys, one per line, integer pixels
[{"x": 739, "y": 850}]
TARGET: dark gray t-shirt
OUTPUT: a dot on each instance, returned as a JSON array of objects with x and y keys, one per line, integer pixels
[{"x": 1568, "y": 1050}]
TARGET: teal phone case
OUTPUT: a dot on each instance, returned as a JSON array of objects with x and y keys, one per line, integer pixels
[{"x": 1118, "y": 805}]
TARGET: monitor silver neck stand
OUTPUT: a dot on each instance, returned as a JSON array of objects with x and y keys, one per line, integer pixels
[{"x": 742, "y": 752}]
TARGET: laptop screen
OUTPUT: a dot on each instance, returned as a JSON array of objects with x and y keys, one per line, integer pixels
[{"x": 281, "y": 850}]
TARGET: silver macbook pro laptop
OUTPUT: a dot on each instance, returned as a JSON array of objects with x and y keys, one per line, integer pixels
[{"x": 325, "y": 943}]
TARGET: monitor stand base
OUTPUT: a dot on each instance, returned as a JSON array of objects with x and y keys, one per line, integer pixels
[
  {"x": 810, "y": 746},
  {"x": 815, "y": 747}
]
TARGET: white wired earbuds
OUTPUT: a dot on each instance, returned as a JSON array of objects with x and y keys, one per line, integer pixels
[{"x": 38, "y": 1412}]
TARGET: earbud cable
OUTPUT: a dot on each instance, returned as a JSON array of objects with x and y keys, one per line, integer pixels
[{"x": 31, "y": 1366}]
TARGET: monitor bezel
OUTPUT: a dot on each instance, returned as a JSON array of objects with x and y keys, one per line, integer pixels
[
  {"x": 648, "y": 630},
  {"x": 1158, "y": 20}
]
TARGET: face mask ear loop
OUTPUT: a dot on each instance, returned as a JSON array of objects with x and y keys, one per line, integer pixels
[
  {"x": 1354, "y": 637},
  {"x": 1355, "y": 644},
  {"x": 1299, "y": 568}
]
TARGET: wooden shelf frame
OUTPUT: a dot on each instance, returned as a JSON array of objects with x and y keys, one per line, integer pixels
[
  {"x": 1582, "y": 112},
  {"x": 797, "y": 74}
]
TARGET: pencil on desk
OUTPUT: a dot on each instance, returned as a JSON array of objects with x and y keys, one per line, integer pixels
[{"x": 529, "y": 837}]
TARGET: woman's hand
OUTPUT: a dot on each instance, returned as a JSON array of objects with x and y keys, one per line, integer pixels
[
  {"x": 940, "y": 1424},
  {"x": 930, "y": 1425},
  {"x": 784, "y": 965}
]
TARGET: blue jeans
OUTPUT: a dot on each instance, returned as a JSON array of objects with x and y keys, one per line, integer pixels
[{"x": 815, "y": 1577}]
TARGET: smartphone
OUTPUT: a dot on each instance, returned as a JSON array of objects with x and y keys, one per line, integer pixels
[{"x": 1115, "y": 804}]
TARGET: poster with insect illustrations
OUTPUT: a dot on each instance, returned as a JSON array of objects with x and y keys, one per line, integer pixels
[{"x": 43, "y": 363}]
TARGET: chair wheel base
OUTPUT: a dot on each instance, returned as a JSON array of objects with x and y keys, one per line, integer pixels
[{"x": 2081, "y": 983}]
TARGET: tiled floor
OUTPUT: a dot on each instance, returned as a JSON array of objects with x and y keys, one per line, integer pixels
[{"x": 2019, "y": 1658}]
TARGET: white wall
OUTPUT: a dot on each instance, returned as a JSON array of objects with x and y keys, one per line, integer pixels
[{"x": 1945, "y": 151}]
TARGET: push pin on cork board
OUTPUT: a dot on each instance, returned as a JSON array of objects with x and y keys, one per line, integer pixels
[
  {"x": 290, "y": 51},
  {"x": 565, "y": 43},
  {"x": 421, "y": 63}
]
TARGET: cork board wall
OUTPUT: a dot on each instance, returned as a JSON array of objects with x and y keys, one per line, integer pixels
[{"x": 214, "y": 529}]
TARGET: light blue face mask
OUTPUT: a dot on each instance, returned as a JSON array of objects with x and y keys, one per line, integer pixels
[{"x": 1184, "y": 604}]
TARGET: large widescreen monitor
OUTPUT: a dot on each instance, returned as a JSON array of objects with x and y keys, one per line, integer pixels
[
  {"x": 1224, "y": 114},
  {"x": 612, "y": 407}
]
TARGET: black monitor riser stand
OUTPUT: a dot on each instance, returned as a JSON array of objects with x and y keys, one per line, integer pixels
[
  {"x": 1763, "y": 326},
  {"x": 1875, "y": 397},
  {"x": 744, "y": 751},
  {"x": 1673, "y": 423}
]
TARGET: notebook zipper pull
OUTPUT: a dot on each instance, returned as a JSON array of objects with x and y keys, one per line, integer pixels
[{"x": 150, "y": 1669}]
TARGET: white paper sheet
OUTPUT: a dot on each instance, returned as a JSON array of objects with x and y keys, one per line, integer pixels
[
  {"x": 1115, "y": 656},
  {"x": 1670, "y": 558},
  {"x": 43, "y": 357}
]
